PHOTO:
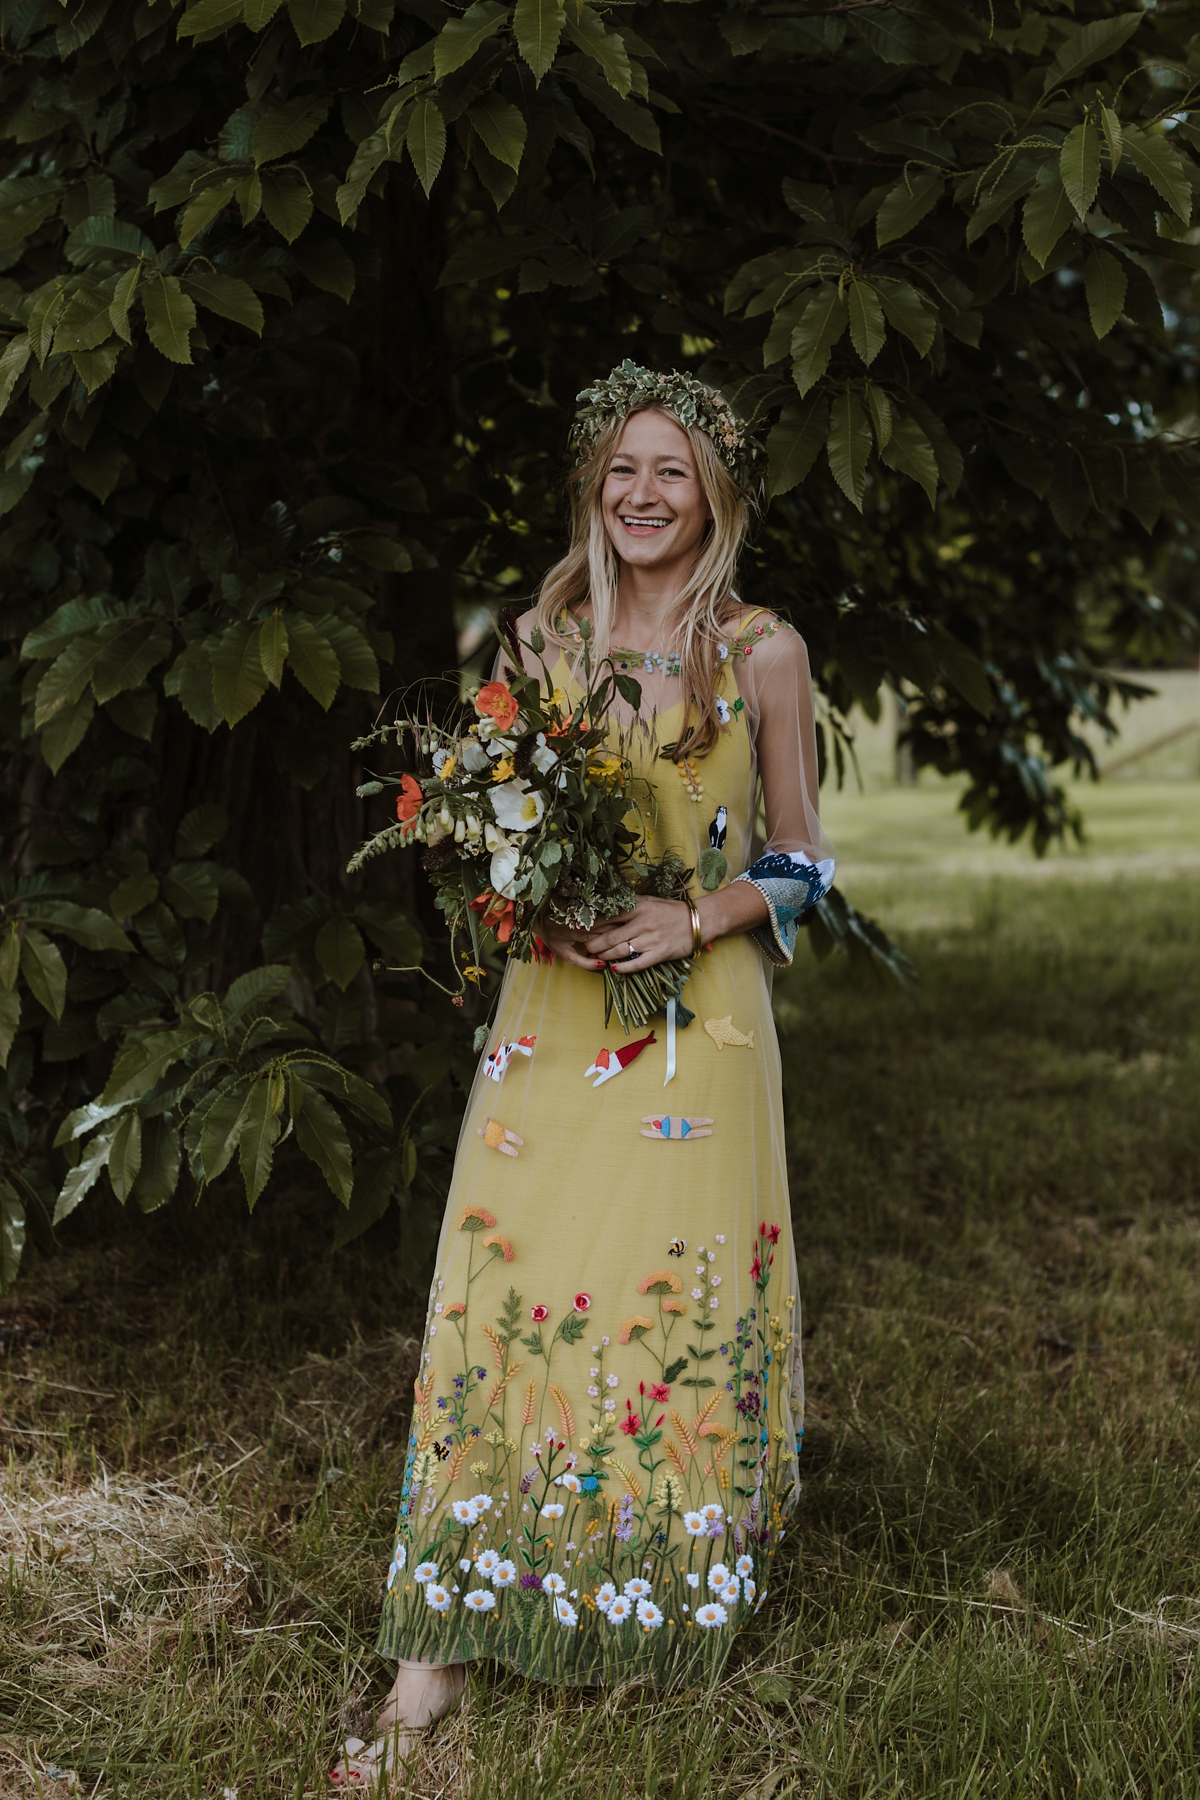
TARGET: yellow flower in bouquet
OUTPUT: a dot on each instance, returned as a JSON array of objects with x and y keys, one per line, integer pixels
[{"x": 605, "y": 768}]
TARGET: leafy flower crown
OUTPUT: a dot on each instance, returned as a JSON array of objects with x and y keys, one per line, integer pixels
[{"x": 630, "y": 388}]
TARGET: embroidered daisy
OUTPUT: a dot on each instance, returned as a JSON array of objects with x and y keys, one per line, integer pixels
[
  {"x": 605, "y": 1596},
  {"x": 504, "y": 1574},
  {"x": 749, "y": 1590},
  {"x": 618, "y": 1610},
  {"x": 464, "y": 1512},
  {"x": 729, "y": 1592},
  {"x": 723, "y": 710},
  {"x": 488, "y": 1563},
  {"x": 637, "y": 1589},
  {"x": 693, "y": 1578},
  {"x": 554, "y": 1584},
  {"x": 718, "y": 1575},
  {"x": 693, "y": 1524},
  {"x": 479, "y": 1600},
  {"x": 425, "y": 1572},
  {"x": 572, "y": 1484},
  {"x": 552, "y": 1510},
  {"x": 437, "y": 1597},
  {"x": 397, "y": 1563},
  {"x": 713, "y": 1513},
  {"x": 565, "y": 1613},
  {"x": 465, "y": 1564},
  {"x": 481, "y": 1503},
  {"x": 712, "y": 1614},
  {"x": 649, "y": 1615},
  {"x": 744, "y": 1566}
]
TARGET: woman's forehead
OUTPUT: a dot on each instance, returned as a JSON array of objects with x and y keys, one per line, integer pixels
[{"x": 653, "y": 434}]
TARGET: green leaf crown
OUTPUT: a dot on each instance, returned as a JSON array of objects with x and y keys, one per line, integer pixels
[{"x": 630, "y": 388}]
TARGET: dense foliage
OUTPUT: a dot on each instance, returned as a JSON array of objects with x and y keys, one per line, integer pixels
[{"x": 296, "y": 300}]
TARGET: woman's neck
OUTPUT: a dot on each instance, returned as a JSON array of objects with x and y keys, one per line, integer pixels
[{"x": 646, "y": 606}]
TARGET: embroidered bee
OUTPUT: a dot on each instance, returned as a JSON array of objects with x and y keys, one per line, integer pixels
[
  {"x": 441, "y": 1451},
  {"x": 677, "y": 1246}
]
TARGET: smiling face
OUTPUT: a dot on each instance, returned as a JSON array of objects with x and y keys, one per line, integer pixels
[{"x": 654, "y": 505}]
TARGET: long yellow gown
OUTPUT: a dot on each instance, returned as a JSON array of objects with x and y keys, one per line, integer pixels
[{"x": 610, "y": 1401}]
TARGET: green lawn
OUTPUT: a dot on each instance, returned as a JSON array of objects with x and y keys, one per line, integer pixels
[{"x": 993, "y": 1586}]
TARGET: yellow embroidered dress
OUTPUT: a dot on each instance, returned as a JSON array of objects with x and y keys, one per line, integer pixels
[{"x": 609, "y": 1404}]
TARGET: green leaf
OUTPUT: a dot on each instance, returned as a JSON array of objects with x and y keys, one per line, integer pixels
[
  {"x": 1163, "y": 168},
  {"x": 134, "y": 895},
  {"x": 200, "y": 829},
  {"x": 44, "y": 971},
  {"x": 321, "y": 1135},
  {"x": 84, "y": 1176},
  {"x": 906, "y": 205},
  {"x": 1026, "y": 465},
  {"x": 910, "y": 452},
  {"x": 867, "y": 330},
  {"x": 1070, "y": 494},
  {"x": 637, "y": 122},
  {"x": 238, "y": 678},
  {"x": 143, "y": 1062},
  {"x": 273, "y": 649},
  {"x": 170, "y": 316},
  {"x": 201, "y": 210},
  {"x": 907, "y": 311},
  {"x": 192, "y": 891},
  {"x": 1048, "y": 213},
  {"x": 67, "y": 677},
  {"x": 459, "y": 39},
  {"x": 371, "y": 154},
  {"x": 327, "y": 266},
  {"x": 287, "y": 201},
  {"x": 880, "y": 408},
  {"x": 426, "y": 140},
  {"x": 315, "y": 20},
  {"x": 288, "y": 127},
  {"x": 587, "y": 32},
  {"x": 849, "y": 445},
  {"x": 158, "y": 1176},
  {"x": 501, "y": 126},
  {"x": 258, "y": 15},
  {"x": 538, "y": 25},
  {"x": 1089, "y": 44},
  {"x": 356, "y": 659},
  {"x": 350, "y": 1089},
  {"x": 379, "y": 552},
  {"x": 391, "y": 929},
  {"x": 65, "y": 732},
  {"x": 824, "y": 320},
  {"x": 795, "y": 443},
  {"x": 125, "y": 1155},
  {"x": 258, "y": 1131},
  {"x": 10, "y": 1020},
  {"x": 340, "y": 951},
  {"x": 85, "y": 925},
  {"x": 313, "y": 661},
  {"x": 252, "y": 992},
  {"x": 207, "y": 17},
  {"x": 106, "y": 239},
  {"x": 1111, "y": 124},
  {"x": 12, "y": 366},
  {"x": 1079, "y": 166},
  {"x": 1105, "y": 283},
  {"x": 226, "y": 295},
  {"x": 122, "y": 300},
  {"x": 219, "y": 1132},
  {"x": 12, "y": 1235},
  {"x": 190, "y": 681},
  {"x": 128, "y": 656}
]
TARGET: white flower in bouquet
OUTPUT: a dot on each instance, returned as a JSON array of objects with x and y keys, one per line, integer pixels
[
  {"x": 474, "y": 756},
  {"x": 503, "y": 873},
  {"x": 516, "y": 806},
  {"x": 543, "y": 758},
  {"x": 493, "y": 839}
]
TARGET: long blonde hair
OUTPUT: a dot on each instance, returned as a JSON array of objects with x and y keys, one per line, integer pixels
[{"x": 706, "y": 604}]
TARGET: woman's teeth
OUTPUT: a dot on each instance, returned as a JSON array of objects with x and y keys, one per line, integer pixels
[{"x": 657, "y": 523}]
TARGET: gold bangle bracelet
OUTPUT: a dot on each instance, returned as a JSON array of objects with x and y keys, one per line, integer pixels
[{"x": 697, "y": 933}]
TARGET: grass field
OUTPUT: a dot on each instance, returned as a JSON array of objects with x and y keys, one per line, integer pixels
[{"x": 993, "y": 1586}]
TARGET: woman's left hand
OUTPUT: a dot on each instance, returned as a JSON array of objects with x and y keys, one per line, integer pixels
[{"x": 657, "y": 930}]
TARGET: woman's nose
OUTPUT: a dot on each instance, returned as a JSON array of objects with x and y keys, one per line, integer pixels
[{"x": 644, "y": 490}]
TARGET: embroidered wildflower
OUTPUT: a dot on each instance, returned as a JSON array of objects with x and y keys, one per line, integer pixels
[
  {"x": 718, "y": 1575},
  {"x": 552, "y": 1510},
  {"x": 437, "y": 1597},
  {"x": 539, "y": 1314},
  {"x": 503, "y": 1575},
  {"x": 649, "y": 1615},
  {"x": 713, "y": 1513},
  {"x": 464, "y": 1512},
  {"x": 637, "y": 1589},
  {"x": 693, "y": 1578},
  {"x": 634, "y": 1328},
  {"x": 565, "y": 1613},
  {"x": 695, "y": 1524},
  {"x": 612, "y": 1381},
  {"x": 570, "y": 1482},
  {"x": 479, "y": 1600},
  {"x": 712, "y": 1614},
  {"x": 554, "y": 1583},
  {"x": 605, "y": 1595},
  {"x": 618, "y": 1610},
  {"x": 582, "y": 1302},
  {"x": 744, "y": 1566},
  {"x": 425, "y": 1572},
  {"x": 662, "y": 1281}
]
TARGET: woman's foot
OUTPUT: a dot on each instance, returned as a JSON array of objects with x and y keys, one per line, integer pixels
[{"x": 421, "y": 1695}]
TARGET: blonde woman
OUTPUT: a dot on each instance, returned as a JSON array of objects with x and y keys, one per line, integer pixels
[{"x": 609, "y": 1403}]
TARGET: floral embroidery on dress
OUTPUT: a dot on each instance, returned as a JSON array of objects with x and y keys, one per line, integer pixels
[{"x": 583, "y": 1547}]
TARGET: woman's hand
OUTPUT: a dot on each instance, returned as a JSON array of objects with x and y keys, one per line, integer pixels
[{"x": 657, "y": 930}]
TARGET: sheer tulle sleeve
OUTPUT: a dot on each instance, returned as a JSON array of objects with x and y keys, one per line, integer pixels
[{"x": 797, "y": 866}]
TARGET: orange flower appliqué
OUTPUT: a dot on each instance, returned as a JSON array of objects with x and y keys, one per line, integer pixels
[
  {"x": 456, "y": 1309},
  {"x": 494, "y": 1241},
  {"x": 495, "y": 701},
  {"x": 663, "y": 1281},
  {"x": 634, "y": 1328},
  {"x": 477, "y": 1218}
]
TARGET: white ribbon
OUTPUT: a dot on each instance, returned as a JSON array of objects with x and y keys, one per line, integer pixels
[{"x": 670, "y": 1074}]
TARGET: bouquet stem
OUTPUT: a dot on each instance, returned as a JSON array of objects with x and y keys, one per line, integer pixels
[{"x": 638, "y": 997}]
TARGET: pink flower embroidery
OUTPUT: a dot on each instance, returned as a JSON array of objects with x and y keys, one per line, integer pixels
[
  {"x": 539, "y": 1313},
  {"x": 582, "y": 1302}
]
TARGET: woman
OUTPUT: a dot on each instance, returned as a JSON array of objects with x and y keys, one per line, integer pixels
[{"x": 608, "y": 1409}]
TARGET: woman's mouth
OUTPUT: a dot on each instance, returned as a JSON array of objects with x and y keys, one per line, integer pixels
[{"x": 643, "y": 527}]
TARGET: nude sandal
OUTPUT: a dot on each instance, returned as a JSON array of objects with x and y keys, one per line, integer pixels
[{"x": 365, "y": 1766}]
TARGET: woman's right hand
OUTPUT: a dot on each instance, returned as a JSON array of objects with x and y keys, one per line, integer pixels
[{"x": 567, "y": 942}]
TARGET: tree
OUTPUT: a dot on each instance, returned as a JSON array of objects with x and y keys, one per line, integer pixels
[{"x": 296, "y": 303}]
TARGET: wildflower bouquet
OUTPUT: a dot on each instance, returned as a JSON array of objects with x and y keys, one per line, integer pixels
[{"x": 525, "y": 808}]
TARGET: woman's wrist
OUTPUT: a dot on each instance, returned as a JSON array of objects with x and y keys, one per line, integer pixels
[{"x": 731, "y": 911}]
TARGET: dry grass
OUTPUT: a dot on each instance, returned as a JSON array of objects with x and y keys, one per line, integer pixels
[{"x": 993, "y": 1587}]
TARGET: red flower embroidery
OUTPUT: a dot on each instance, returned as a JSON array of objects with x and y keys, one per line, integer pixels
[
  {"x": 582, "y": 1302},
  {"x": 539, "y": 1313},
  {"x": 408, "y": 800},
  {"x": 773, "y": 1233},
  {"x": 630, "y": 1423},
  {"x": 755, "y": 1269},
  {"x": 660, "y": 1392}
]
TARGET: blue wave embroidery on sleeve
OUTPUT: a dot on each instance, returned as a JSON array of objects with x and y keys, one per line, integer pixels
[{"x": 790, "y": 884}]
